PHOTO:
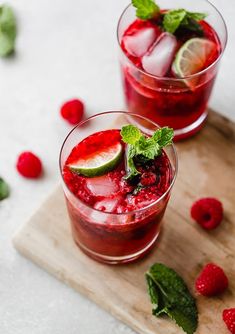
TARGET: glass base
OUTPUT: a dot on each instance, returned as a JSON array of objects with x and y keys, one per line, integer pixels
[
  {"x": 192, "y": 129},
  {"x": 118, "y": 259},
  {"x": 180, "y": 134}
]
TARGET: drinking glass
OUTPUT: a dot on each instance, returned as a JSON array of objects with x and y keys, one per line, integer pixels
[
  {"x": 167, "y": 100},
  {"x": 114, "y": 237}
]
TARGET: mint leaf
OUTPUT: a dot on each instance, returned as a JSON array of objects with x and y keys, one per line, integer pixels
[
  {"x": 146, "y": 149},
  {"x": 173, "y": 19},
  {"x": 146, "y": 9},
  {"x": 7, "y": 30},
  {"x": 191, "y": 24},
  {"x": 132, "y": 172},
  {"x": 183, "y": 319},
  {"x": 130, "y": 134},
  {"x": 154, "y": 294},
  {"x": 163, "y": 136},
  {"x": 141, "y": 149},
  {"x": 176, "y": 18},
  {"x": 170, "y": 295},
  {"x": 4, "y": 189},
  {"x": 196, "y": 16}
]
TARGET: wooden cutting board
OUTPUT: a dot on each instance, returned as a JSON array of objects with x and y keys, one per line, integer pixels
[{"x": 206, "y": 168}]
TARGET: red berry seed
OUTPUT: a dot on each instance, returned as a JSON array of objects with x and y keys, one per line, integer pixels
[
  {"x": 229, "y": 319},
  {"x": 207, "y": 212},
  {"x": 211, "y": 281},
  {"x": 29, "y": 165},
  {"x": 72, "y": 111}
]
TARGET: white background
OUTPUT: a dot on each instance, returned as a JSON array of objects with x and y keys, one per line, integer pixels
[{"x": 65, "y": 49}]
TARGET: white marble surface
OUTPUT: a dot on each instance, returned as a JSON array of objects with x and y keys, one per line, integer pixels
[{"x": 65, "y": 49}]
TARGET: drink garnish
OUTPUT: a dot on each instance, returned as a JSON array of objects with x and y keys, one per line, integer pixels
[
  {"x": 4, "y": 189},
  {"x": 170, "y": 20},
  {"x": 7, "y": 30},
  {"x": 98, "y": 163},
  {"x": 192, "y": 57},
  {"x": 146, "y": 9},
  {"x": 142, "y": 149},
  {"x": 170, "y": 295},
  {"x": 180, "y": 18}
]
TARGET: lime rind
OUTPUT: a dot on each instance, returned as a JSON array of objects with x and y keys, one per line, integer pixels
[
  {"x": 99, "y": 163},
  {"x": 191, "y": 58}
]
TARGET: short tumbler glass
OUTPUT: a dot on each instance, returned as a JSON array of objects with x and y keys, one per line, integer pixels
[
  {"x": 110, "y": 237},
  {"x": 166, "y": 100}
]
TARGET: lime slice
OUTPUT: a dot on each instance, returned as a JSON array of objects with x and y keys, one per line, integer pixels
[
  {"x": 98, "y": 163},
  {"x": 192, "y": 57}
]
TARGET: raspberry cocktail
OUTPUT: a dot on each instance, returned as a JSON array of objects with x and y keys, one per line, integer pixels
[
  {"x": 169, "y": 56},
  {"x": 117, "y": 182}
]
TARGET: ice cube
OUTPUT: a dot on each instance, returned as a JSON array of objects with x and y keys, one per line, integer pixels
[
  {"x": 139, "y": 43},
  {"x": 107, "y": 205},
  {"x": 102, "y": 186},
  {"x": 159, "y": 58}
]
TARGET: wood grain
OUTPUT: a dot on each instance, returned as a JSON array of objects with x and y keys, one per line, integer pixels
[{"x": 206, "y": 168}]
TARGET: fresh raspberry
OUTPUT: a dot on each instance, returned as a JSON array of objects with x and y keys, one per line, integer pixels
[
  {"x": 29, "y": 165},
  {"x": 72, "y": 111},
  {"x": 211, "y": 281},
  {"x": 148, "y": 179},
  {"x": 229, "y": 319},
  {"x": 208, "y": 212}
]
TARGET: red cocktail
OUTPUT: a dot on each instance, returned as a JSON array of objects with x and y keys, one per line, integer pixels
[
  {"x": 115, "y": 216},
  {"x": 168, "y": 76}
]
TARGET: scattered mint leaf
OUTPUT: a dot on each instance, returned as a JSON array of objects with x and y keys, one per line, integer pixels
[
  {"x": 4, "y": 189},
  {"x": 130, "y": 134},
  {"x": 176, "y": 18},
  {"x": 183, "y": 319},
  {"x": 146, "y": 9},
  {"x": 154, "y": 294},
  {"x": 142, "y": 149},
  {"x": 7, "y": 30},
  {"x": 170, "y": 295},
  {"x": 173, "y": 19}
]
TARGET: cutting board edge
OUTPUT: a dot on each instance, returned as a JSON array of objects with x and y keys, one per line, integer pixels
[{"x": 19, "y": 244}]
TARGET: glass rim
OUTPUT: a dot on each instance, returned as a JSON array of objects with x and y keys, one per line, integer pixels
[
  {"x": 118, "y": 112},
  {"x": 171, "y": 78}
]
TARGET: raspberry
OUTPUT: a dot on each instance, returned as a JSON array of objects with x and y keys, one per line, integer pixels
[
  {"x": 72, "y": 111},
  {"x": 211, "y": 281},
  {"x": 229, "y": 319},
  {"x": 208, "y": 212},
  {"x": 148, "y": 179},
  {"x": 29, "y": 165}
]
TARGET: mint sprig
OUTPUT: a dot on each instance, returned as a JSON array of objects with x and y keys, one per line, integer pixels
[
  {"x": 169, "y": 295},
  {"x": 146, "y": 9},
  {"x": 174, "y": 19},
  {"x": 4, "y": 189},
  {"x": 130, "y": 134},
  {"x": 171, "y": 20},
  {"x": 7, "y": 30},
  {"x": 142, "y": 149}
]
